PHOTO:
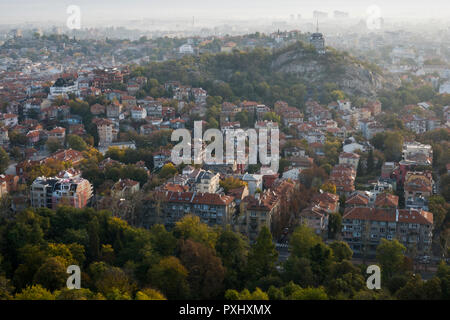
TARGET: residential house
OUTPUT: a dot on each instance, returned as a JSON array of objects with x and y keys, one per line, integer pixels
[
  {"x": 52, "y": 192},
  {"x": 349, "y": 158},
  {"x": 124, "y": 188}
]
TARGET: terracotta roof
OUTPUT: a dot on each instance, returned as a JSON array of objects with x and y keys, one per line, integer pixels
[
  {"x": 389, "y": 215},
  {"x": 313, "y": 211},
  {"x": 237, "y": 192},
  {"x": 326, "y": 200},
  {"x": 266, "y": 201},
  {"x": 67, "y": 155},
  {"x": 102, "y": 122},
  {"x": 357, "y": 199},
  {"x": 198, "y": 198},
  {"x": 349, "y": 155},
  {"x": 124, "y": 183},
  {"x": 386, "y": 200},
  {"x": 58, "y": 130},
  {"x": 172, "y": 187},
  {"x": 417, "y": 181}
]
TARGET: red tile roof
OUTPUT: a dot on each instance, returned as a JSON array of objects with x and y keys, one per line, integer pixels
[{"x": 386, "y": 200}]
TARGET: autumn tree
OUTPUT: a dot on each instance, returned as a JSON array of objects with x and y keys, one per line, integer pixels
[
  {"x": 329, "y": 187},
  {"x": 206, "y": 273},
  {"x": 245, "y": 294},
  {"x": 231, "y": 183},
  {"x": 167, "y": 171},
  {"x": 114, "y": 282},
  {"x": 149, "y": 294},
  {"x": 170, "y": 276},
  {"x": 190, "y": 227},
  {"x": 35, "y": 292}
]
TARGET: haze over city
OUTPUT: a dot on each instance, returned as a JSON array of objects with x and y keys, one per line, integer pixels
[{"x": 95, "y": 12}]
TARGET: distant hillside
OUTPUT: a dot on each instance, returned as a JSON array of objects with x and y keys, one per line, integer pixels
[
  {"x": 293, "y": 74},
  {"x": 351, "y": 75}
]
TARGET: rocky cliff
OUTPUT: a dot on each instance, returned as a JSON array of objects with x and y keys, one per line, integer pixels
[{"x": 351, "y": 75}]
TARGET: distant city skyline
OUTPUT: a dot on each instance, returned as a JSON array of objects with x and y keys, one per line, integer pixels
[{"x": 96, "y": 12}]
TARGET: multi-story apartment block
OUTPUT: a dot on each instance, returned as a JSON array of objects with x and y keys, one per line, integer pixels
[
  {"x": 363, "y": 228},
  {"x": 315, "y": 217},
  {"x": 8, "y": 119},
  {"x": 64, "y": 87},
  {"x": 105, "y": 78},
  {"x": 343, "y": 177},
  {"x": 57, "y": 133},
  {"x": 113, "y": 110},
  {"x": 257, "y": 211},
  {"x": 418, "y": 187},
  {"x": 51, "y": 192},
  {"x": 207, "y": 182},
  {"x": 138, "y": 113},
  {"x": 124, "y": 188},
  {"x": 106, "y": 131},
  {"x": 349, "y": 158},
  {"x": 170, "y": 207},
  {"x": 254, "y": 182},
  {"x": 420, "y": 154}
]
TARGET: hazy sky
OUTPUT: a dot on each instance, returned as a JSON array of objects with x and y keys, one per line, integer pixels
[{"x": 18, "y": 11}]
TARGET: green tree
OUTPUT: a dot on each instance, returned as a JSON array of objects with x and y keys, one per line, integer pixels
[
  {"x": 76, "y": 142},
  {"x": 334, "y": 225},
  {"x": 167, "y": 171},
  {"x": 4, "y": 160},
  {"x": 52, "y": 274},
  {"x": 262, "y": 256},
  {"x": 6, "y": 288},
  {"x": 114, "y": 282},
  {"x": 298, "y": 270},
  {"x": 163, "y": 241},
  {"x": 329, "y": 187},
  {"x": 272, "y": 116},
  {"x": 245, "y": 294},
  {"x": 390, "y": 255},
  {"x": 78, "y": 294},
  {"x": 321, "y": 259},
  {"x": 149, "y": 294},
  {"x": 413, "y": 290},
  {"x": 341, "y": 251},
  {"x": 309, "y": 294},
  {"x": 302, "y": 240},
  {"x": 231, "y": 183},
  {"x": 233, "y": 250},
  {"x": 190, "y": 227},
  {"x": 53, "y": 145},
  {"x": 170, "y": 276},
  {"x": 35, "y": 292},
  {"x": 370, "y": 162}
]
